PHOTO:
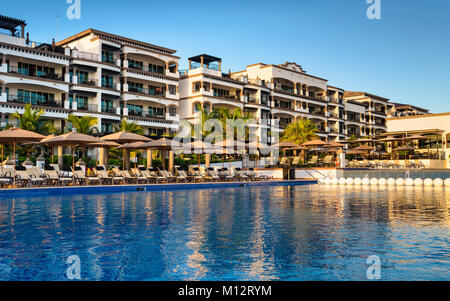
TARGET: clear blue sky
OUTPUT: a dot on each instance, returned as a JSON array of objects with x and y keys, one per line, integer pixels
[{"x": 405, "y": 56}]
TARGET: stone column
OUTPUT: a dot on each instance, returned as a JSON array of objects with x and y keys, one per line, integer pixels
[
  {"x": 101, "y": 156},
  {"x": 171, "y": 161},
  {"x": 207, "y": 160},
  {"x": 60, "y": 156},
  {"x": 149, "y": 158}
]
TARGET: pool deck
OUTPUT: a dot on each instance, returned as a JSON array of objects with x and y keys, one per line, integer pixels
[{"x": 99, "y": 189}]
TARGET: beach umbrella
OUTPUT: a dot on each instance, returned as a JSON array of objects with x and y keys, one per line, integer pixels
[
  {"x": 72, "y": 139},
  {"x": 316, "y": 142},
  {"x": 125, "y": 137},
  {"x": 14, "y": 135},
  {"x": 356, "y": 152},
  {"x": 405, "y": 148},
  {"x": 365, "y": 148}
]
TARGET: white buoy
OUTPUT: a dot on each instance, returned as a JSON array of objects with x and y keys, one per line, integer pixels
[
  {"x": 391, "y": 182},
  {"x": 447, "y": 182},
  {"x": 342, "y": 181},
  {"x": 409, "y": 182},
  {"x": 418, "y": 182},
  {"x": 327, "y": 181},
  {"x": 365, "y": 181},
  {"x": 349, "y": 181},
  {"x": 438, "y": 182},
  {"x": 382, "y": 182},
  {"x": 334, "y": 181},
  {"x": 374, "y": 181},
  {"x": 357, "y": 181},
  {"x": 400, "y": 182},
  {"x": 428, "y": 182}
]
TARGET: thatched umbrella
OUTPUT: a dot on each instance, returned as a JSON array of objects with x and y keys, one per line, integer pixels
[
  {"x": 14, "y": 135},
  {"x": 302, "y": 149},
  {"x": 205, "y": 148},
  {"x": 229, "y": 146},
  {"x": 72, "y": 139},
  {"x": 365, "y": 148},
  {"x": 405, "y": 148},
  {"x": 316, "y": 142}
]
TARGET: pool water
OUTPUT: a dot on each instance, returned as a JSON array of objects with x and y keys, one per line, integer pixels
[{"x": 261, "y": 233}]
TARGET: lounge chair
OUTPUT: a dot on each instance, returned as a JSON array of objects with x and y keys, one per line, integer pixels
[
  {"x": 126, "y": 176},
  {"x": 224, "y": 175},
  {"x": 53, "y": 177},
  {"x": 419, "y": 164},
  {"x": 254, "y": 173},
  {"x": 82, "y": 179},
  {"x": 399, "y": 164},
  {"x": 296, "y": 161},
  {"x": 313, "y": 160},
  {"x": 144, "y": 172},
  {"x": 181, "y": 175},
  {"x": 284, "y": 161},
  {"x": 240, "y": 174},
  {"x": 5, "y": 177},
  {"x": 36, "y": 175},
  {"x": 155, "y": 175},
  {"x": 140, "y": 178},
  {"x": 327, "y": 161},
  {"x": 211, "y": 172},
  {"x": 170, "y": 178},
  {"x": 102, "y": 173}
]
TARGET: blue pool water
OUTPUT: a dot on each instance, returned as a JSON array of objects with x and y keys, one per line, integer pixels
[{"x": 251, "y": 233}]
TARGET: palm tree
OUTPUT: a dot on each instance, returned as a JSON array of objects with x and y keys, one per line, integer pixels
[
  {"x": 84, "y": 125},
  {"x": 300, "y": 131},
  {"x": 32, "y": 120},
  {"x": 130, "y": 127}
]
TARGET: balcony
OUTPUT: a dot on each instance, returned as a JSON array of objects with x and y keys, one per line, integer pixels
[
  {"x": 87, "y": 82},
  {"x": 87, "y": 56},
  {"x": 108, "y": 84},
  {"x": 109, "y": 110},
  {"x": 26, "y": 72},
  {"x": 33, "y": 101},
  {"x": 88, "y": 108},
  {"x": 152, "y": 92}
]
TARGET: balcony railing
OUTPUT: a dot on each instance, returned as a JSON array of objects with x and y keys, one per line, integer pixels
[
  {"x": 88, "y": 82},
  {"x": 33, "y": 101},
  {"x": 108, "y": 84},
  {"x": 144, "y": 68},
  {"x": 88, "y": 56},
  {"x": 147, "y": 91},
  {"x": 108, "y": 59},
  {"x": 111, "y": 110},
  {"x": 195, "y": 65},
  {"x": 88, "y": 107},
  {"x": 26, "y": 72}
]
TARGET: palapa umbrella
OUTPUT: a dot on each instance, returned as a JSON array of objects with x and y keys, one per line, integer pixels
[
  {"x": 256, "y": 145},
  {"x": 405, "y": 148},
  {"x": 72, "y": 139},
  {"x": 163, "y": 144},
  {"x": 356, "y": 152},
  {"x": 316, "y": 142},
  {"x": 125, "y": 137},
  {"x": 14, "y": 135},
  {"x": 365, "y": 148},
  {"x": 229, "y": 146},
  {"x": 302, "y": 149}
]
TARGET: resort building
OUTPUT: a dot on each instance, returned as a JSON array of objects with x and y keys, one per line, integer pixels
[
  {"x": 396, "y": 109},
  {"x": 433, "y": 133},
  {"x": 376, "y": 110},
  {"x": 91, "y": 73}
]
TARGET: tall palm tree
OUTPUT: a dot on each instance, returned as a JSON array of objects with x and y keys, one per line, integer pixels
[
  {"x": 300, "y": 131},
  {"x": 131, "y": 127},
  {"x": 84, "y": 125},
  {"x": 32, "y": 120}
]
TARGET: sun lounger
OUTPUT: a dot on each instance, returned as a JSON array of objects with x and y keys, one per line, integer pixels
[
  {"x": 182, "y": 176},
  {"x": 144, "y": 172},
  {"x": 155, "y": 175},
  {"x": 81, "y": 178},
  {"x": 225, "y": 175},
  {"x": 140, "y": 178},
  {"x": 102, "y": 173},
  {"x": 53, "y": 177},
  {"x": 211, "y": 172},
  {"x": 5, "y": 176},
  {"x": 240, "y": 174}
]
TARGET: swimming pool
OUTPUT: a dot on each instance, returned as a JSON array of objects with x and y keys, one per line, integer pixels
[{"x": 247, "y": 233}]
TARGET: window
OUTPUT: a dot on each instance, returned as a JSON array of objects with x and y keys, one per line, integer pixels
[
  {"x": 156, "y": 69},
  {"x": 221, "y": 93},
  {"x": 196, "y": 87},
  {"x": 107, "y": 105},
  {"x": 172, "y": 89},
  {"x": 82, "y": 102},
  {"x": 135, "y": 64},
  {"x": 35, "y": 98},
  {"x": 448, "y": 141},
  {"x": 107, "y": 81},
  {"x": 107, "y": 56},
  {"x": 156, "y": 90},
  {"x": 172, "y": 111},
  {"x": 135, "y": 87},
  {"x": 156, "y": 112},
  {"x": 134, "y": 110}
]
